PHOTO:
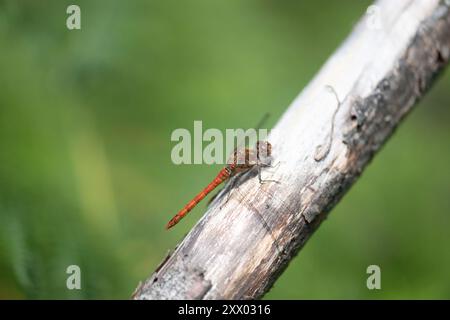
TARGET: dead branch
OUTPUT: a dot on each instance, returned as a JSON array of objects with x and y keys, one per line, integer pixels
[{"x": 379, "y": 73}]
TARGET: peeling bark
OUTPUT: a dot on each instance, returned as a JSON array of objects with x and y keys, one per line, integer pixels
[{"x": 379, "y": 75}]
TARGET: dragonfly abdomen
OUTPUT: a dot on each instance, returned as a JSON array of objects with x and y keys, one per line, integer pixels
[{"x": 223, "y": 175}]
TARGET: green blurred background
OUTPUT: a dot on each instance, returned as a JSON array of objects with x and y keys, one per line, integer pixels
[{"x": 85, "y": 122}]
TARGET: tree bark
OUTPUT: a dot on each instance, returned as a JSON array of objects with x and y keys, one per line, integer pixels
[{"x": 240, "y": 246}]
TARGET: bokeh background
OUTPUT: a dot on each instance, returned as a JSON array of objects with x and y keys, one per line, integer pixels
[{"x": 85, "y": 122}]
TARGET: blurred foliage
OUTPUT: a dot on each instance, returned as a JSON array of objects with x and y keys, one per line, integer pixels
[{"x": 85, "y": 123}]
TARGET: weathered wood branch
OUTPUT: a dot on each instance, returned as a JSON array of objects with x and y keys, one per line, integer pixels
[{"x": 379, "y": 73}]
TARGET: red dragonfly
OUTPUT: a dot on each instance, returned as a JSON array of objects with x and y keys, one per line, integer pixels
[{"x": 242, "y": 160}]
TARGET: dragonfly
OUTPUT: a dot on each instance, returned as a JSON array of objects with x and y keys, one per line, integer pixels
[{"x": 241, "y": 160}]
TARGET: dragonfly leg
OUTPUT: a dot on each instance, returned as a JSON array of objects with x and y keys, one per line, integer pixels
[
  {"x": 261, "y": 180},
  {"x": 275, "y": 165}
]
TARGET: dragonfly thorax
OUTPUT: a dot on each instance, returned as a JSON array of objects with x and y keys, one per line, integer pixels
[{"x": 244, "y": 158}]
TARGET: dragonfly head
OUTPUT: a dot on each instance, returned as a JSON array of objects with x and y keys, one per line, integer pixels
[{"x": 264, "y": 149}]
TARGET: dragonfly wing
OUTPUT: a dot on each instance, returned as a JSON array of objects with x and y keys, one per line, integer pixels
[{"x": 226, "y": 190}]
